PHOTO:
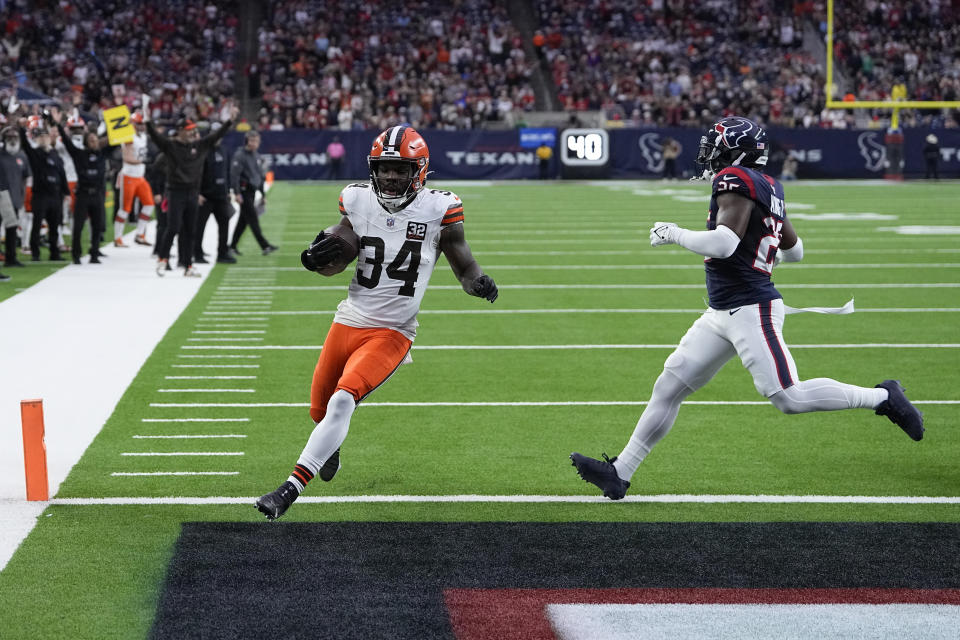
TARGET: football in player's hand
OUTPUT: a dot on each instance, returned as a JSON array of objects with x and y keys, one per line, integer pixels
[
  {"x": 349, "y": 242},
  {"x": 333, "y": 249}
]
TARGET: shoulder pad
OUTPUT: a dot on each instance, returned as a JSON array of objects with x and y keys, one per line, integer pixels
[{"x": 734, "y": 180}]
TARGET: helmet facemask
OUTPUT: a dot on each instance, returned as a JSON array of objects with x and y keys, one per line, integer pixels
[{"x": 394, "y": 181}]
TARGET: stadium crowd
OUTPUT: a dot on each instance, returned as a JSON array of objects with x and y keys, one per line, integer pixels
[
  {"x": 461, "y": 65},
  {"x": 900, "y": 50},
  {"x": 683, "y": 63},
  {"x": 436, "y": 65}
]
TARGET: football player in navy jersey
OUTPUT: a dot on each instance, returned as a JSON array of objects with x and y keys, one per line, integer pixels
[{"x": 748, "y": 232}]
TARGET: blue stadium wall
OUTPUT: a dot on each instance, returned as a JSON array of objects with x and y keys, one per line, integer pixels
[{"x": 634, "y": 153}]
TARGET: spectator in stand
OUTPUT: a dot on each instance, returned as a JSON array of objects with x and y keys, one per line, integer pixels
[
  {"x": 335, "y": 154},
  {"x": 246, "y": 179}
]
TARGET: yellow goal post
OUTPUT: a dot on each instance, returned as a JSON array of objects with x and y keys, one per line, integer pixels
[{"x": 895, "y": 105}]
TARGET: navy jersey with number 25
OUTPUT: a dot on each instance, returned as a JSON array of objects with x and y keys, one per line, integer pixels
[{"x": 744, "y": 277}]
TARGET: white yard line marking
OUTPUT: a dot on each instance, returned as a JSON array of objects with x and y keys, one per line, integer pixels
[
  {"x": 522, "y": 347},
  {"x": 182, "y": 453},
  {"x": 493, "y": 268},
  {"x": 189, "y": 436},
  {"x": 484, "y": 311},
  {"x": 661, "y": 498},
  {"x": 205, "y": 390},
  {"x": 443, "y": 287},
  {"x": 597, "y": 403},
  {"x": 219, "y": 332},
  {"x": 177, "y": 473},
  {"x": 216, "y": 356},
  {"x": 194, "y": 419},
  {"x": 215, "y": 366},
  {"x": 224, "y": 339},
  {"x": 209, "y": 377}
]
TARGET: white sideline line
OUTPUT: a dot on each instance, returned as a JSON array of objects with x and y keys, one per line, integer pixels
[
  {"x": 522, "y": 347},
  {"x": 207, "y": 322},
  {"x": 215, "y": 366},
  {"x": 183, "y": 453},
  {"x": 194, "y": 419},
  {"x": 662, "y": 498},
  {"x": 189, "y": 436},
  {"x": 217, "y": 356},
  {"x": 571, "y": 403},
  {"x": 221, "y": 325},
  {"x": 209, "y": 377},
  {"x": 205, "y": 390},
  {"x": 217, "y": 332},
  {"x": 444, "y": 287},
  {"x": 177, "y": 473}
]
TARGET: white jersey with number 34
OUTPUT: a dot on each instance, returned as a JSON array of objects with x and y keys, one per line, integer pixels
[{"x": 398, "y": 252}]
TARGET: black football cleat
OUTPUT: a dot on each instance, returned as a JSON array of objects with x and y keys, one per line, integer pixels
[
  {"x": 275, "y": 504},
  {"x": 601, "y": 473},
  {"x": 330, "y": 467},
  {"x": 901, "y": 411}
]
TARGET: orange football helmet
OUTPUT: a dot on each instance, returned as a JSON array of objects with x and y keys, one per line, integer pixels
[
  {"x": 34, "y": 122},
  {"x": 75, "y": 123},
  {"x": 399, "y": 146},
  {"x": 137, "y": 118}
]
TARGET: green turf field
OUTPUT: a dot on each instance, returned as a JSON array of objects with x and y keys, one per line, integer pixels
[{"x": 597, "y": 310}]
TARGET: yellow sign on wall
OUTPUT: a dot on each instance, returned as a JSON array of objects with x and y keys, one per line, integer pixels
[{"x": 119, "y": 127}]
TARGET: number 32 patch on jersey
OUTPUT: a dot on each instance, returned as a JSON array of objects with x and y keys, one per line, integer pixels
[{"x": 416, "y": 231}]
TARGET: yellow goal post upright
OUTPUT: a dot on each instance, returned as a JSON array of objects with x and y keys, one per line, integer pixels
[{"x": 894, "y": 138}]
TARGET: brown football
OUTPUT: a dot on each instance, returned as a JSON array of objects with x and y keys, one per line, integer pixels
[{"x": 351, "y": 248}]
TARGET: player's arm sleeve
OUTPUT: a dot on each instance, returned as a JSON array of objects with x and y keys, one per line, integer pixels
[
  {"x": 453, "y": 213},
  {"x": 718, "y": 243},
  {"x": 794, "y": 253}
]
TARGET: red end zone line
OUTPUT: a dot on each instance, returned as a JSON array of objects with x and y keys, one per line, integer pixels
[{"x": 520, "y": 614}]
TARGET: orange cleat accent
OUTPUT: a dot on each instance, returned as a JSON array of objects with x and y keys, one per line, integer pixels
[{"x": 118, "y": 242}]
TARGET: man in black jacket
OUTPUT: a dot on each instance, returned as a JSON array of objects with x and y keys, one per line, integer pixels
[
  {"x": 215, "y": 200},
  {"x": 91, "y": 165},
  {"x": 186, "y": 153},
  {"x": 246, "y": 178},
  {"x": 16, "y": 169},
  {"x": 49, "y": 185}
]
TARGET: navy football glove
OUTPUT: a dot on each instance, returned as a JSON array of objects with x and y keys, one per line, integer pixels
[{"x": 485, "y": 287}]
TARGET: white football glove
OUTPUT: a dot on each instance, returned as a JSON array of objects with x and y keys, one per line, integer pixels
[
  {"x": 663, "y": 233},
  {"x": 777, "y": 257}
]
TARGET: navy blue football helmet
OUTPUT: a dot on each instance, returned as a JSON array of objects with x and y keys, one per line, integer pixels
[{"x": 732, "y": 142}]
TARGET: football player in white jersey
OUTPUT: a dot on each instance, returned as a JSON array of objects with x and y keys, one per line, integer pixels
[
  {"x": 133, "y": 184},
  {"x": 402, "y": 227}
]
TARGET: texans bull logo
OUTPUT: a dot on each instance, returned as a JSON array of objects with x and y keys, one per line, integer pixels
[{"x": 872, "y": 150}]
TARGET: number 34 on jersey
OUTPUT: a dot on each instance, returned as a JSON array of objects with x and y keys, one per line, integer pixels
[{"x": 398, "y": 252}]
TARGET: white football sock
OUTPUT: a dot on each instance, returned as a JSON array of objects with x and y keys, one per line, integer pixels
[
  {"x": 143, "y": 219},
  {"x": 328, "y": 435},
  {"x": 117, "y": 229},
  {"x": 655, "y": 421},
  {"x": 824, "y": 394}
]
